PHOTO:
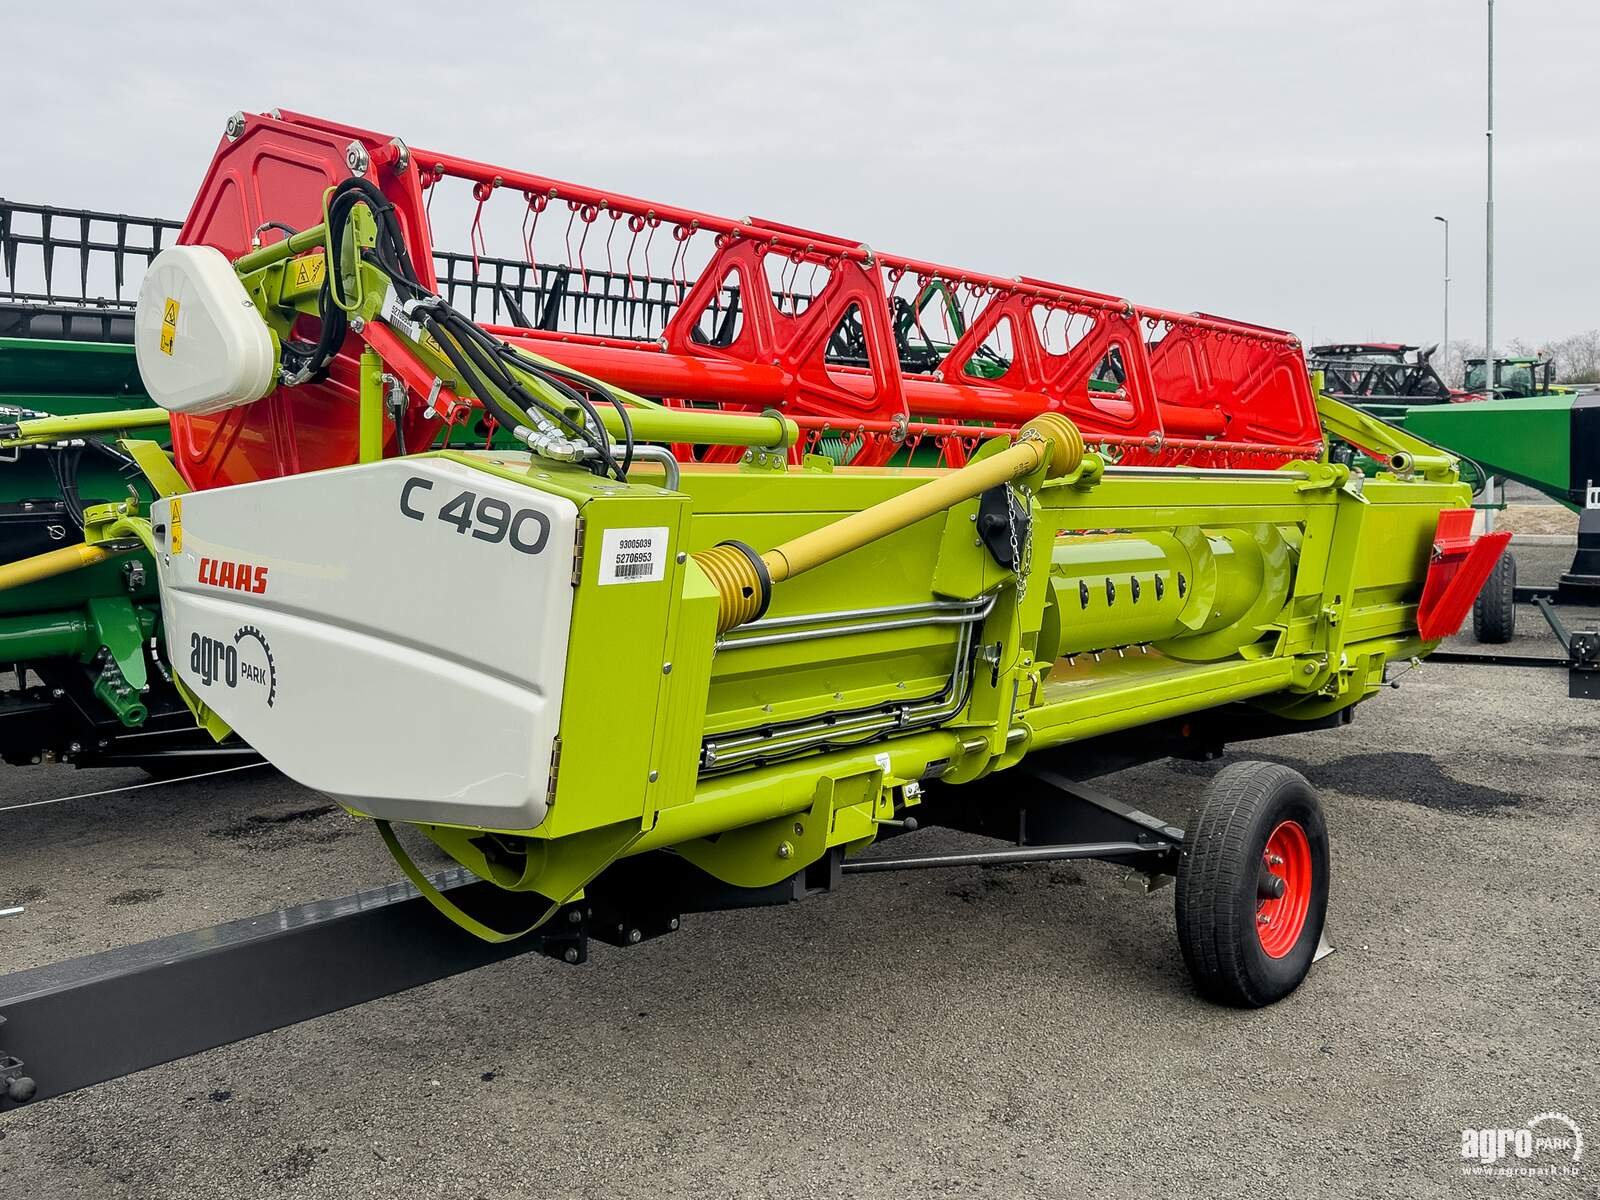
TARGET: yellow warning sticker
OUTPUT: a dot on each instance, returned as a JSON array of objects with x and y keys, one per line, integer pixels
[
  {"x": 169, "y": 325},
  {"x": 308, "y": 271},
  {"x": 177, "y": 525}
]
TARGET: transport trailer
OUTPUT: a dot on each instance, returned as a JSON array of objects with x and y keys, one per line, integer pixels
[{"x": 662, "y": 657}]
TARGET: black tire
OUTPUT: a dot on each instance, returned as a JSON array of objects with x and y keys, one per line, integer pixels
[
  {"x": 1220, "y": 872},
  {"x": 1494, "y": 612}
]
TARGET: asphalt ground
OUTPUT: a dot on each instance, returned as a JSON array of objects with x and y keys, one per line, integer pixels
[{"x": 971, "y": 1033}]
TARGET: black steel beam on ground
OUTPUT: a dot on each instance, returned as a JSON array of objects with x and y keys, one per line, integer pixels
[
  {"x": 77, "y": 1023},
  {"x": 1483, "y": 658}
]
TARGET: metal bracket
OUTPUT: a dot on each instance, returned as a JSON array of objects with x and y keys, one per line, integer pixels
[{"x": 1002, "y": 520}]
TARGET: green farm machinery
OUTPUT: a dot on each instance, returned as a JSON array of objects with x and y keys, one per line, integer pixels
[
  {"x": 87, "y": 689},
  {"x": 1523, "y": 427},
  {"x": 1518, "y": 377},
  {"x": 646, "y": 589},
  {"x": 1548, "y": 441}
]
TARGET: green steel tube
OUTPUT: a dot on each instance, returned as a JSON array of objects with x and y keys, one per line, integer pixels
[
  {"x": 371, "y": 412},
  {"x": 1126, "y": 590},
  {"x": 693, "y": 425},
  {"x": 56, "y": 635},
  {"x": 306, "y": 239},
  {"x": 50, "y": 429}
]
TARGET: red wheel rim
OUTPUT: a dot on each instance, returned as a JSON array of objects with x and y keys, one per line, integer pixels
[{"x": 1280, "y": 921}]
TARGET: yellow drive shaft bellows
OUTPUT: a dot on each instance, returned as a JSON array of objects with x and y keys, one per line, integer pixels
[{"x": 744, "y": 579}]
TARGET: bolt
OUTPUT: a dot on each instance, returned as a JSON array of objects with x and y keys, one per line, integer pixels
[
  {"x": 357, "y": 324},
  {"x": 673, "y": 924},
  {"x": 785, "y": 850},
  {"x": 1274, "y": 860},
  {"x": 57, "y": 693},
  {"x": 682, "y": 557},
  {"x": 75, "y": 748},
  {"x": 1310, "y": 668},
  {"x": 1263, "y": 919},
  {"x": 666, "y": 668},
  {"x": 634, "y": 937},
  {"x": 575, "y": 917},
  {"x": 799, "y": 829},
  {"x": 234, "y": 129},
  {"x": 654, "y": 775},
  {"x": 570, "y": 954}
]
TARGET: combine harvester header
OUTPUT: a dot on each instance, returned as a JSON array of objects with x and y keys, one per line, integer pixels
[{"x": 572, "y": 595}]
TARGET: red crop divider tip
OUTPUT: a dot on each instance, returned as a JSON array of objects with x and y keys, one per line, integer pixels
[{"x": 1459, "y": 567}]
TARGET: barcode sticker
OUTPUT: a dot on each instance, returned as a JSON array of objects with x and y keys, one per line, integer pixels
[
  {"x": 395, "y": 315},
  {"x": 633, "y": 555}
]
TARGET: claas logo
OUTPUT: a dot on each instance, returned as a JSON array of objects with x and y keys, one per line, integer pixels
[{"x": 233, "y": 576}]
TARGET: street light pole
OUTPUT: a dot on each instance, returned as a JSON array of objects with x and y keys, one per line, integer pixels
[
  {"x": 1446, "y": 223},
  {"x": 1488, "y": 212}
]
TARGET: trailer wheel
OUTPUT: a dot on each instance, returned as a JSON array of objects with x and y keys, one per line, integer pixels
[
  {"x": 1252, "y": 891},
  {"x": 1494, "y": 612}
]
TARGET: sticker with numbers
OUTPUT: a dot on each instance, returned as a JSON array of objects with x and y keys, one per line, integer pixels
[{"x": 633, "y": 555}]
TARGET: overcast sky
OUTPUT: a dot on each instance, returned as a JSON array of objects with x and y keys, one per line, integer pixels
[{"x": 1274, "y": 160}]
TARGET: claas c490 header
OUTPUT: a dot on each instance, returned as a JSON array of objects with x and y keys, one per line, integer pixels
[{"x": 681, "y": 580}]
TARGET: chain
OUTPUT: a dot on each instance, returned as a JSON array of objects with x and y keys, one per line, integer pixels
[{"x": 1019, "y": 566}]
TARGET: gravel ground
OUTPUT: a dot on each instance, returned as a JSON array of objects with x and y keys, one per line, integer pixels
[{"x": 1021, "y": 1032}]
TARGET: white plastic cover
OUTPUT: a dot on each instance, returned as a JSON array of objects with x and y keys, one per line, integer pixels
[
  {"x": 202, "y": 346},
  {"x": 394, "y": 635}
]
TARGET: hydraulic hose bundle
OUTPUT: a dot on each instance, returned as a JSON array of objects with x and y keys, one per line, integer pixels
[{"x": 549, "y": 409}]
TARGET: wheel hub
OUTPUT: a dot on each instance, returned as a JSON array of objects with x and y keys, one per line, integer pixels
[{"x": 1283, "y": 890}]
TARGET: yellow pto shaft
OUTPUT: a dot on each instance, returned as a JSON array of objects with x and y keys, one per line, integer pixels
[
  {"x": 55, "y": 562},
  {"x": 744, "y": 579}
]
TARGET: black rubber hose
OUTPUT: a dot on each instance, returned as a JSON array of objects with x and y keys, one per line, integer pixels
[{"x": 483, "y": 360}]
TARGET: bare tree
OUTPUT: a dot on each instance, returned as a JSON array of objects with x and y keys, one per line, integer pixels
[{"x": 1576, "y": 358}]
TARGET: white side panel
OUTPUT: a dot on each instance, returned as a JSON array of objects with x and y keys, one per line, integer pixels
[
  {"x": 201, "y": 345},
  {"x": 349, "y": 628}
]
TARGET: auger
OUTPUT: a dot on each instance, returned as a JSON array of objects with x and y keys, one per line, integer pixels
[{"x": 630, "y": 625}]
